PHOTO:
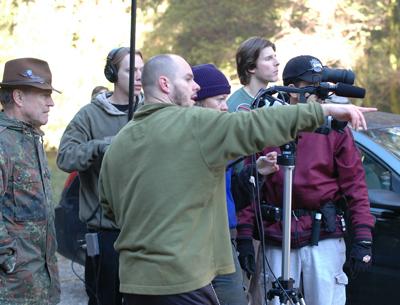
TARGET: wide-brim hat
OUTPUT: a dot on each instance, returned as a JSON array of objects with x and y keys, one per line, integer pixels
[{"x": 31, "y": 72}]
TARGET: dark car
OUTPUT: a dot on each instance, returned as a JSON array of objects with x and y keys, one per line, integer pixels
[{"x": 380, "y": 149}]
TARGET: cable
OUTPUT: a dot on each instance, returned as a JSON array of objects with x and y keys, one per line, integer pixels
[
  {"x": 99, "y": 261},
  {"x": 88, "y": 288},
  {"x": 256, "y": 202},
  {"x": 264, "y": 98},
  {"x": 74, "y": 271}
]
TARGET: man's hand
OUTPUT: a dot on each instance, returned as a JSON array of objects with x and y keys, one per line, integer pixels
[
  {"x": 8, "y": 262},
  {"x": 361, "y": 256},
  {"x": 267, "y": 164},
  {"x": 351, "y": 113},
  {"x": 246, "y": 256},
  {"x": 109, "y": 139},
  {"x": 105, "y": 144}
]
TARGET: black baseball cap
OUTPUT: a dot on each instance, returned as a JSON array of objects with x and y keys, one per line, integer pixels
[{"x": 304, "y": 67}]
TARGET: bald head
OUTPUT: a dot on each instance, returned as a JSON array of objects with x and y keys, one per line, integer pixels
[
  {"x": 168, "y": 78},
  {"x": 159, "y": 65}
]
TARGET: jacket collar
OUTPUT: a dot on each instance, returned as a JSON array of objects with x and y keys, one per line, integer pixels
[
  {"x": 10, "y": 123},
  {"x": 149, "y": 109}
]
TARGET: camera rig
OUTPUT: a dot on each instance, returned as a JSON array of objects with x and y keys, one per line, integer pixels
[
  {"x": 328, "y": 82},
  {"x": 265, "y": 98},
  {"x": 322, "y": 91}
]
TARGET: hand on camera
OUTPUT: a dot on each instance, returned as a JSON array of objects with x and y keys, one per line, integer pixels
[
  {"x": 246, "y": 256},
  {"x": 267, "y": 164},
  {"x": 361, "y": 256}
]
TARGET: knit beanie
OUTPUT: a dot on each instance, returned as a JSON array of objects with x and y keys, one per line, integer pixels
[{"x": 212, "y": 81}]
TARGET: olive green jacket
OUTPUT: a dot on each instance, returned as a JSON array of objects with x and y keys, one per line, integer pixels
[{"x": 163, "y": 181}]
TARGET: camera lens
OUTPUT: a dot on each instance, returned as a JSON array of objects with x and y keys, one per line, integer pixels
[{"x": 338, "y": 76}]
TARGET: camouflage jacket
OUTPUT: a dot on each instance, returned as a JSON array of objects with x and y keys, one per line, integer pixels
[{"x": 28, "y": 266}]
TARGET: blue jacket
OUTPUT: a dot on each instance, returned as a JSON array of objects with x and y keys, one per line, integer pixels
[{"x": 230, "y": 204}]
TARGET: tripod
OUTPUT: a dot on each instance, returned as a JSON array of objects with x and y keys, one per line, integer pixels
[{"x": 284, "y": 286}]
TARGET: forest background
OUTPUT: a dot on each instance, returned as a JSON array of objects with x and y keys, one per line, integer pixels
[{"x": 75, "y": 36}]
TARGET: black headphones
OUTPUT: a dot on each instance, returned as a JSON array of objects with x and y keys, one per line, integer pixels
[{"x": 110, "y": 70}]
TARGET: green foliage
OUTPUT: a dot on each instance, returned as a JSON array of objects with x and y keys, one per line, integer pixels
[
  {"x": 7, "y": 14},
  {"x": 210, "y": 31},
  {"x": 150, "y": 4},
  {"x": 75, "y": 36},
  {"x": 379, "y": 69},
  {"x": 300, "y": 9}
]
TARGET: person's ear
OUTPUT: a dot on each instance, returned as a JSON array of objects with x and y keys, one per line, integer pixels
[
  {"x": 293, "y": 95},
  {"x": 164, "y": 84},
  {"x": 251, "y": 71},
  {"x": 18, "y": 97}
]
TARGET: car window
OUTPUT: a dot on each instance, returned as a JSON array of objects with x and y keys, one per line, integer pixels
[
  {"x": 387, "y": 137},
  {"x": 376, "y": 175}
]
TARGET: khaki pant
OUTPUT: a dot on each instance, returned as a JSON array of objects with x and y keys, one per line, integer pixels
[{"x": 318, "y": 270}]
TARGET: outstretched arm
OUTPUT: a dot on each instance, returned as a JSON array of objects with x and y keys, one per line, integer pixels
[{"x": 351, "y": 113}]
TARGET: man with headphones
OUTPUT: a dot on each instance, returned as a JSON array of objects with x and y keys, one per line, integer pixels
[{"x": 82, "y": 147}]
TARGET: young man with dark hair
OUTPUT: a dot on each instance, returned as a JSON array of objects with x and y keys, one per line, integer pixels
[
  {"x": 28, "y": 264},
  {"x": 83, "y": 144},
  {"x": 256, "y": 65},
  {"x": 328, "y": 177},
  {"x": 162, "y": 181}
]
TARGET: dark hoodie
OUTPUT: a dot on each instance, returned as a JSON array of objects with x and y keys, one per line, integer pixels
[{"x": 82, "y": 147}]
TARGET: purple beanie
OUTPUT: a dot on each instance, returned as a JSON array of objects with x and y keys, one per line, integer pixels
[{"x": 212, "y": 81}]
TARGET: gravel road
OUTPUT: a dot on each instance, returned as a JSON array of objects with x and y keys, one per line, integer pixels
[{"x": 72, "y": 288}]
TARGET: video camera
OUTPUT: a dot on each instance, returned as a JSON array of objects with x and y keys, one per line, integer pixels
[
  {"x": 323, "y": 90},
  {"x": 327, "y": 82},
  {"x": 331, "y": 81}
]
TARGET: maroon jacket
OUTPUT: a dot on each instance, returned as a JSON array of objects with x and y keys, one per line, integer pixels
[{"x": 328, "y": 167}]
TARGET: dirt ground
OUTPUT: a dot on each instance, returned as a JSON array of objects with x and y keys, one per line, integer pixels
[{"x": 72, "y": 288}]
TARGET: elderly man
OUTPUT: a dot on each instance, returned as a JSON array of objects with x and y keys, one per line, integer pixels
[
  {"x": 163, "y": 181},
  {"x": 28, "y": 269}
]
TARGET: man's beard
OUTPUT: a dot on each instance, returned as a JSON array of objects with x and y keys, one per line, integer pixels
[{"x": 180, "y": 99}]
